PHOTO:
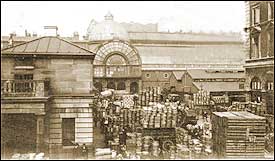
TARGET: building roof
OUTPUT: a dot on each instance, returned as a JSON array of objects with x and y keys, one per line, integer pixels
[
  {"x": 202, "y": 66},
  {"x": 208, "y": 74},
  {"x": 178, "y": 74},
  {"x": 192, "y": 54},
  {"x": 156, "y": 59},
  {"x": 238, "y": 115},
  {"x": 47, "y": 44},
  {"x": 218, "y": 86},
  {"x": 192, "y": 37}
]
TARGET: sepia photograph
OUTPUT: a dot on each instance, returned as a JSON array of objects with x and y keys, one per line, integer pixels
[{"x": 137, "y": 80}]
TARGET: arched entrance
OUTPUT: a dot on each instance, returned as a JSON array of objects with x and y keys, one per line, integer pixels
[
  {"x": 121, "y": 86},
  {"x": 134, "y": 87},
  {"x": 118, "y": 62},
  {"x": 98, "y": 86},
  {"x": 111, "y": 85},
  {"x": 256, "y": 86}
]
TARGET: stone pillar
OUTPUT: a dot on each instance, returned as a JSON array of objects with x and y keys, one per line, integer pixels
[
  {"x": 127, "y": 85},
  {"x": 247, "y": 89},
  {"x": 39, "y": 88},
  {"x": 39, "y": 133},
  {"x": 140, "y": 86}
]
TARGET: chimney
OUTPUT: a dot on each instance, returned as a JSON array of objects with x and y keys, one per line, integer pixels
[
  {"x": 11, "y": 40},
  {"x": 34, "y": 34},
  {"x": 76, "y": 36},
  {"x": 51, "y": 31}
]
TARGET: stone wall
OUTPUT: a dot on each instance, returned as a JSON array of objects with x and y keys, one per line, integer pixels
[
  {"x": 36, "y": 108},
  {"x": 70, "y": 76},
  {"x": 70, "y": 107},
  {"x": 7, "y": 67}
]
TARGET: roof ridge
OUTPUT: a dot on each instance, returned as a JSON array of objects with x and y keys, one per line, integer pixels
[
  {"x": 22, "y": 43},
  {"x": 11, "y": 49},
  {"x": 74, "y": 44}
]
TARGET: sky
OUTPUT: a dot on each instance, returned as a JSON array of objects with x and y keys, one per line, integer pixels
[{"x": 71, "y": 16}]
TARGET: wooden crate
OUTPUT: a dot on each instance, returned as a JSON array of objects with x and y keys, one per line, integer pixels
[{"x": 238, "y": 135}]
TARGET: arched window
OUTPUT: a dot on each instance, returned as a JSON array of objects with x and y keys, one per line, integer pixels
[
  {"x": 98, "y": 86},
  {"x": 121, "y": 86},
  {"x": 116, "y": 60},
  {"x": 111, "y": 85},
  {"x": 134, "y": 87},
  {"x": 256, "y": 84},
  {"x": 269, "y": 84}
]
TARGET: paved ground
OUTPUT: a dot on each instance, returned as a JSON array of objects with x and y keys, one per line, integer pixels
[{"x": 99, "y": 138}]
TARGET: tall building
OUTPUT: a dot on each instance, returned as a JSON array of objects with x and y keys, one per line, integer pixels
[{"x": 259, "y": 63}]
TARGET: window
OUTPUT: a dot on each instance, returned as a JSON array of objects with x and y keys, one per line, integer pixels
[
  {"x": 270, "y": 86},
  {"x": 269, "y": 81},
  {"x": 23, "y": 76},
  {"x": 165, "y": 75},
  {"x": 24, "y": 61},
  {"x": 23, "y": 82},
  {"x": 259, "y": 46},
  {"x": 255, "y": 47},
  {"x": 255, "y": 19},
  {"x": 147, "y": 75},
  {"x": 68, "y": 131},
  {"x": 98, "y": 71},
  {"x": 270, "y": 6},
  {"x": 256, "y": 84},
  {"x": 116, "y": 60}
]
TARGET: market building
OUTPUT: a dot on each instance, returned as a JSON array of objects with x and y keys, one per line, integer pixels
[
  {"x": 51, "y": 80},
  {"x": 131, "y": 56}
]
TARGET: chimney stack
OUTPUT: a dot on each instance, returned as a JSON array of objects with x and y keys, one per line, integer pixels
[
  {"x": 76, "y": 36},
  {"x": 34, "y": 34},
  {"x": 51, "y": 30}
]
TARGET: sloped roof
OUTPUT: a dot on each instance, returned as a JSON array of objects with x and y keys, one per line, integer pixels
[
  {"x": 218, "y": 86},
  {"x": 198, "y": 74},
  {"x": 195, "y": 54},
  {"x": 238, "y": 115},
  {"x": 178, "y": 74},
  {"x": 148, "y": 59},
  {"x": 47, "y": 44},
  {"x": 193, "y": 37}
]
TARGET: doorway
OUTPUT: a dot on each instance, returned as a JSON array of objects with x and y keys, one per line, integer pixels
[{"x": 18, "y": 134}]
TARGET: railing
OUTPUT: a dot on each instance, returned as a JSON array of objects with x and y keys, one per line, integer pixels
[
  {"x": 23, "y": 88},
  {"x": 117, "y": 71}
]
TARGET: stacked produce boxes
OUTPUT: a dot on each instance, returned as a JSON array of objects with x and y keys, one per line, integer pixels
[
  {"x": 238, "y": 135},
  {"x": 160, "y": 116}
]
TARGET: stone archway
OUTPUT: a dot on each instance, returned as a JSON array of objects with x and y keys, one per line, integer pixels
[
  {"x": 111, "y": 85},
  {"x": 121, "y": 86},
  {"x": 98, "y": 86},
  {"x": 256, "y": 87},
  {"x": 134, "y": 87}
]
